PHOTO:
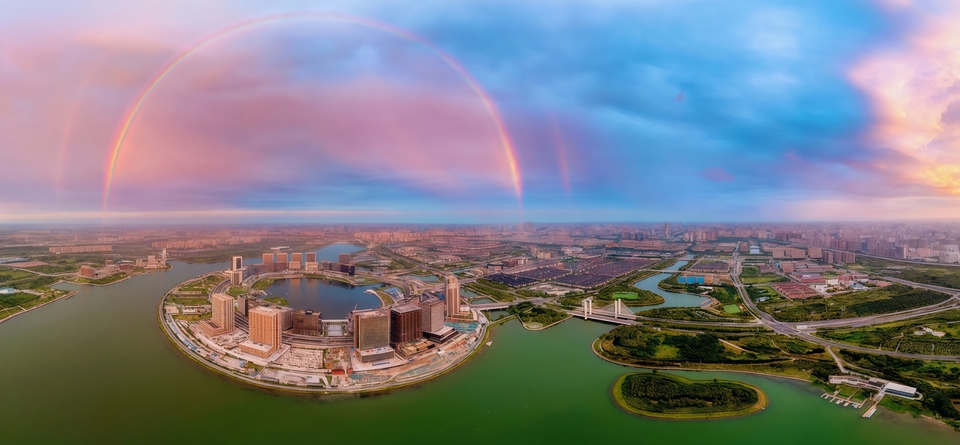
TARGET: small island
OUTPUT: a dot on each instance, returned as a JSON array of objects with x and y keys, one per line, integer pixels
[{"x": 671, "y": 397}]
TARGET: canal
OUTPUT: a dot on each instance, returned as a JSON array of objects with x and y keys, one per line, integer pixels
[{"x": 671, "y": 299}]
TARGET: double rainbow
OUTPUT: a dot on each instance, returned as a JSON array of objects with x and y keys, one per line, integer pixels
[{"x": 505, "y": 142}]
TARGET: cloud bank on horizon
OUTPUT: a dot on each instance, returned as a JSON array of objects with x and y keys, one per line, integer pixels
[{"x": 693, "y": 110}]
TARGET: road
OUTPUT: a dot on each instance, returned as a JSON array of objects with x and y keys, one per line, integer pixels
[{"x": 790, "y": 329}]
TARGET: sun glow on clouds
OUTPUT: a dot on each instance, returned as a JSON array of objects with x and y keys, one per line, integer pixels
[{"x": 915, "y": 92}]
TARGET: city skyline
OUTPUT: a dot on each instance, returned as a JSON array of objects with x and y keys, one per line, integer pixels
[{"x": 495, "y": 113}]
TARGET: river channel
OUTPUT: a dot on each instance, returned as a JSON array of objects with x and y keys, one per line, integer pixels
[
  {"x": 671, "y": 299},
  {"x": 95, "y": 368}
]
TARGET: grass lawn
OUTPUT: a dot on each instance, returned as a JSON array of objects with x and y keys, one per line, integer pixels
[
  {"x": 731, "y": 309},
  {"x": 626, "y": 296},
  {"x": 13, "y": 274},
  {"x": 188, "y": 301},
  {"x": 763, "y": 278},
  {"x": 666, "y": 352}
]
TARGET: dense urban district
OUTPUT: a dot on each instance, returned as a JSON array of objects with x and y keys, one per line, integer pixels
[{"x": 868, "y": 312}]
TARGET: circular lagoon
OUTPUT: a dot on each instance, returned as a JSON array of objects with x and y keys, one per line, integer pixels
[{"x": 333, "y": 299}]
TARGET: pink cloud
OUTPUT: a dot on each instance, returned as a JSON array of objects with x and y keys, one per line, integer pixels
[{"x": 915, "y": 92}]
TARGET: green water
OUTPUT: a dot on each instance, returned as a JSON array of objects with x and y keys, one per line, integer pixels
[{"x": 96, "y": 369}]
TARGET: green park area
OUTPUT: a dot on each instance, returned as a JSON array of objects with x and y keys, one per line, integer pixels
[
  {"x": 938, "y": 381},
  {"x": 186, "y": 301},
  {"x": 945, "y": 276},
  {"x": 203, "y": 285},
  {"x": 695, "y": 314},
  {"x": 907, "y": 336},
  {"x": 732, "y": 309},
  {"x": 752, "y": 275},
  {"x": 758, "y": 292},
  {"x": 101, "y": 281},
  {"x": 11, "y": 304},
  {"x": 672, "y": 397},
  {"x": 278, "y": 300},
  {"x": 8, "y": 275},
  {"x": 623, "y": 286},
  {"x": 536, "y": 317},
  {"x": 724, "y": 293},
  {"x": 893, "y": 298},
  {"x": 497, "y": 291},
  {"x": 734, "y": 349}
]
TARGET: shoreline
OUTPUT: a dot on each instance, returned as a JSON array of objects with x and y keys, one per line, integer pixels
[
  {"x": 24, "y": 311},
  {"x": 298, "y": 390}
]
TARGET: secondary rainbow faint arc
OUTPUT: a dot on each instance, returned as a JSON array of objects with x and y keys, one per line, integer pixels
[{"x": 505, "y": 141}]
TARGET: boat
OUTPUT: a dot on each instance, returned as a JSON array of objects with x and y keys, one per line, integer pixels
[{"x": 489, "y": 343}]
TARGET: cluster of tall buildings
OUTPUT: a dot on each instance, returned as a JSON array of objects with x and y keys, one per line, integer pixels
[
  {"x": 280, "y": 262},
  {"x": 410, "y": 326},
  {"x": 379, "y": 333}
]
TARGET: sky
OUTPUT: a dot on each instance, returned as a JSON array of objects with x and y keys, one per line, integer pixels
[{"x": 479, "y": 112}]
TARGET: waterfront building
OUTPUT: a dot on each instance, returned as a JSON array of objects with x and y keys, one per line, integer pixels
[
  {"x": 87, "y": 272},
  {"x": 237, "y": 263},
  {"x": 431, "y": 314},
  {"x": 452, "y": 295},
  {"x": 296, "y": 261},
  {"x": 265, "y": 332},
  {"x": 371, "y": 329},
  {"x": 343, "y": 258},
  {"x": 311, "y": 257},
  {"x": 404, "y": 324},
  {"x": 286, "y": 318},
  {"x": 306, "y": 322},
  {"x": 236, "y": 277},
  {"x": 376, "y": 354},
  {"x": 222, "y": 320},
  {"x": 268, "y": 261},
  {"x": 243, "y": 304}
]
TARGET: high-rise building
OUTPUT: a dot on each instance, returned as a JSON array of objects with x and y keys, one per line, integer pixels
[
  {"x": 237, "y": 263},
  {"x": 306, "y": 322},
  {"x": 236, "y": 277},
  {"x": 243, "y": 304},
  {"x": 371, "y": 329},
  {"x": 452, "y": 295},
  {"x": 296, "y": 260},
  {"x": 404, "y": 324},
  {"x": 343, "y": 258},
  {"x": 265, "y": 332},
  {"x": 311, "y": 257},
  {"x": 282, "y": 262},
  {"x": 268, "y": 261},
  {"x": 286, "y": 318},
  {"x": 222, "y": 320},
  {"x": 431, "y": 315}
]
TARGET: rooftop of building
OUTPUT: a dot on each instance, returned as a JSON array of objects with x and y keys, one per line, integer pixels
[{"x": 405, "y": 308}]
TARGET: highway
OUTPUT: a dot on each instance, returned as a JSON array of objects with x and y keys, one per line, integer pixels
[{"x": 790, "y": 329}]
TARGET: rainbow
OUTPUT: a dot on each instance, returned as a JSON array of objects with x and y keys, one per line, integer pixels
[{"x": 130, "y": 116}]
